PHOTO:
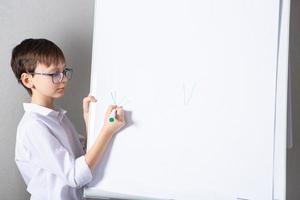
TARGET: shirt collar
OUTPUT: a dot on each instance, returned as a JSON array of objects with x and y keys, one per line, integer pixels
[{"x": 57, "y": 113}]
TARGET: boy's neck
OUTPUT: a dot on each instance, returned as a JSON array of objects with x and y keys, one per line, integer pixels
[{"x": 45, "y": 102}]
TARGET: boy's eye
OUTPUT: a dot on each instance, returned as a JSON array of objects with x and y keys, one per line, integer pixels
[
  {"x": 57, "y": 74},
  {"x": 57, "y": 77}
]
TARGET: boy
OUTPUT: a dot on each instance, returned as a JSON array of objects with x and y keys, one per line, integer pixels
[{"x": 48, "y": 151}]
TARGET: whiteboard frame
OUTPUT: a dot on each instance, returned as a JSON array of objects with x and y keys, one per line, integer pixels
[{"x": 280, "y": 129}]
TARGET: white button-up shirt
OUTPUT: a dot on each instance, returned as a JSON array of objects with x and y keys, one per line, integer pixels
[{"x": 49, "y": 155}]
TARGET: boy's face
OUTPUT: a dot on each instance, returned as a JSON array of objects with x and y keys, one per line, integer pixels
[{"x": 43, "y": 85}]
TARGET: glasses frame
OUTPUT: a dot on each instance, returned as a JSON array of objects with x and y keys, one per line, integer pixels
[{"x": 62, "y": 74}]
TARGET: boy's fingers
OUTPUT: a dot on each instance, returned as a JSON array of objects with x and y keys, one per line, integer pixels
[
  {"x": 120, "y": 113},
  {"x": 109, "y": 109},
  {"x": 92, "y": 98},
  {"x": 86, "y": 102},
  {"x": 89, "y": 99}
]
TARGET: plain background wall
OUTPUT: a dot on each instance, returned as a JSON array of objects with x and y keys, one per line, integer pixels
[{"x": 68, "y": 23}]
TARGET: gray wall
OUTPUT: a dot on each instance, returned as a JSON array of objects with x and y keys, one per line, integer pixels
[
  {"x": 68, "y": 23},
  {"x": 293, "y": 155}
]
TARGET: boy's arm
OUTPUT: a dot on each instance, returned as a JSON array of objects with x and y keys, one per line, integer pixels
[
  {"x": 95, "y": 153},
  {"x": 50, "y": 155}
]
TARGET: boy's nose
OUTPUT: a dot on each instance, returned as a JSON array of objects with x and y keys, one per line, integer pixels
[{"x": 65, "y": 79}]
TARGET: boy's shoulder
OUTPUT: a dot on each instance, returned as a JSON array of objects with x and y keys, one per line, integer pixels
[
  {"x": 36, "y": 116},
  {"x": 30, "y": 120},
  {"x": 34, "y": 112},
  {"x": 30, "y": 126}
]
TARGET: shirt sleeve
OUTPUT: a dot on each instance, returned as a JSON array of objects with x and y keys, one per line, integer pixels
[{"x": 51, "y": 155}]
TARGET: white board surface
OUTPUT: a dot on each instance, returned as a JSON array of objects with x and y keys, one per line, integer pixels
[{"x": 199, "y": 78}]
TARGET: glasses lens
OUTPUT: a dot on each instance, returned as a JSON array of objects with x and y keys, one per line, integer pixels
[
  {"x": 68, "y": 73},
  {"x": 57, "y": 77}
]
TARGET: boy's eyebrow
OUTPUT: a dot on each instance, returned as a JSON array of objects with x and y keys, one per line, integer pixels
[{"x": 57, "y": 70}]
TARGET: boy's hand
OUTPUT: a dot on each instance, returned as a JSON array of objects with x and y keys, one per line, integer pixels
[
  {"x": 85, "y": 104},
  {"x": 112, "y": 128}
]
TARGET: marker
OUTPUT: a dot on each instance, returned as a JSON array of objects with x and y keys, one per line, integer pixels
[{"x": 112, "y": 116}]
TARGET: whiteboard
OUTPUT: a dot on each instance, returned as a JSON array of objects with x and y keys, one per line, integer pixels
[{"x": 199, "y": 81}]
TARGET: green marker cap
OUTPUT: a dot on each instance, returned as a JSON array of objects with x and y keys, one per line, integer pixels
[{"x": 111, "y": 119}]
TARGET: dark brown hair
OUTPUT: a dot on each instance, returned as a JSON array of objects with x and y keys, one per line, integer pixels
[{"x": 30, "y": 52}]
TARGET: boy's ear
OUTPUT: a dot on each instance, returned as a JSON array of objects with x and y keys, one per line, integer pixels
[{"x": 27, "y": 80}]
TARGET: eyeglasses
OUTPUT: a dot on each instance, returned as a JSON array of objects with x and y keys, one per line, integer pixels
[{"x": 58, "y": 76}]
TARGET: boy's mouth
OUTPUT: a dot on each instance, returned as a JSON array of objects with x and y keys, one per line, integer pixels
[{"x": 60, "y": 88}]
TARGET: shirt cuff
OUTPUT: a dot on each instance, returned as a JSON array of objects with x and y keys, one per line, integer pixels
[{"x": 83, "y": 174}]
